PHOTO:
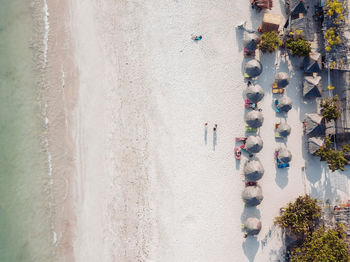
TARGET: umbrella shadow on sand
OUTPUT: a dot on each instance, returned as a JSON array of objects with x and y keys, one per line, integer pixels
[
  {"x": 281, "y": 178},
  {"x": 251, "y": 244},
  {"x": 250, "y": 247}
]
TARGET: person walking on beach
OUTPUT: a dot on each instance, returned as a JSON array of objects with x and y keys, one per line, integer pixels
[
  {"x": 214, "y": 136},
  {"x": 205, "y": 133}
]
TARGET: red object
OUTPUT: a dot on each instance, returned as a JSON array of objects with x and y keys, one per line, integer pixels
[{"x": 238, "y": 153}]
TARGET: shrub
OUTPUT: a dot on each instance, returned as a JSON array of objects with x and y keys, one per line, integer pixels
[
  {"x": 334, "y": 158},
  {"x": 323, "y": 245},
  {"x": 301, "y": 216},
  {"x": 269, "y": 43},
  {"x": 298, "y": 46},
  {"x": 329, "y": 108}
]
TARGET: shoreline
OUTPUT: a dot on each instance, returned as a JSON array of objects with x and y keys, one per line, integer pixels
[{"x": 58, "y": 98}]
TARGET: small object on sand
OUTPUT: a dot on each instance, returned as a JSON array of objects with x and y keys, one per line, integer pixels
[
  {"x": 197, "y": 37},
  {"x": 238, "y": 153}
]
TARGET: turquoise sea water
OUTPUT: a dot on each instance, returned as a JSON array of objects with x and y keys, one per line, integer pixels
[{"x": 25, "y": 225}]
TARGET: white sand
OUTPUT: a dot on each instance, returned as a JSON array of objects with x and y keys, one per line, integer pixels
[{"x": 147, "y": 188}]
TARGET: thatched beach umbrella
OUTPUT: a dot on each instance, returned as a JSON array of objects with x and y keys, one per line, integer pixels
[
  {"x": 313, "y": 63},
  {"x": 314, "y": 144},
  {"x": 254, "y": 119},
  {"x": 252, "y": 225},
  {"x": 314, "y": 125},
  {"x": 250, "y": 41},
  {"x": 253, "y": 68},
  {"x": 284, "y": 129},
  {"x": 254, "y": 144},
  {"x": 284, "y": 104},
  {"x": 312, "y": 86},
  {"x": 252, "y": 195},
  {"x": 282, "y": 79},
  {"x": 254, "y": 93},
  {"x": 284, "y": 155},
  {"x": 253, "y": 170}
]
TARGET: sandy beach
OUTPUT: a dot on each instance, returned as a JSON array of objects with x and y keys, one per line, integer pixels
[{"x": 128, "y": 95}]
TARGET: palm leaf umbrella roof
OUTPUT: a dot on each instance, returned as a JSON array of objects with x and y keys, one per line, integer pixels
[
  {"x": 284, "y": 155},
  {"x": 253, "y": 68},
  {"x": 250, "y": 41},
  {"x": 252, "y": 225},
  {"x": 314, "y": 144},
  {"x": 312, "y": 86},
  {"x": 254, "y": 119},
  {"x": 254, "y": 144},
  {"x": 284, "y": 104},
  {"x": 284, "y": 129},
  {"x": 314, "y": 125},
  {"x": 252, "y": 195},
  {"x": 254, "y": 93},
  {"x": 253, "y": 170},
  {"x": 282, "y": 79}
]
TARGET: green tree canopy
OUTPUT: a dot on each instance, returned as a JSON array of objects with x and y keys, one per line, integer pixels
[
  {"x": 269, "y": 43},
  {"x": 298, "y": 46},
  {"x": 299, "y": 217},
  {"x": 322, "y": 245},
  {"x": 329, "y": 108},
  {"x": 335, "y": 158}
]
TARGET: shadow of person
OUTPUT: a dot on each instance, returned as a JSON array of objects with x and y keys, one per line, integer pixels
[{"x": 250, "y": 247}]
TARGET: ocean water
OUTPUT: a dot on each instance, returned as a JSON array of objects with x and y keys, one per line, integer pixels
[{"x": 25, "y": 202}]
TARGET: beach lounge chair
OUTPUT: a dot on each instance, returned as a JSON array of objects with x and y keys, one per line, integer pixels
[
  {"x": 249, "y": 129},
  {"x": 276, "y": 89},
  {"x": 277, "y": 135},
  {"x": 283, "y": 165}
]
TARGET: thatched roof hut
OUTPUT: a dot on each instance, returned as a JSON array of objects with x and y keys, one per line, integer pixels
[
  {"x": 253, "y": 68},
  {"x": 254, "y": 93},
  {"x": 282, "y": 79},
  {"x": 313, "y": 63},
  {"x": 284, "y": 104},
  {"x": 253, "y": 170},
  {"x": 254, "y": 119},
  {"x": 283, "y": 129},
  {"x": 252, "y": 225},
  {"x": 284, "y": 155},
  {"x": 254, "y": 144},
  {"x": 314, "y": 144},
  {"x": 252, "y": 195},
  {"x": 314, "y": 125},
  {"x": 312, "y": 86}
]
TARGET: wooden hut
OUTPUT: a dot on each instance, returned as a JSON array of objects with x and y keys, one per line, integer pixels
[{"x": 270, "y": 23}]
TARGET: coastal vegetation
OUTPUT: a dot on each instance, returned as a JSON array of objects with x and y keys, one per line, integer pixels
[
  {"x": 299, "y": 217},
  {"x": 323, "y": 245},
  {"x": 330, "y": 108},
  {"x": 312, "y": 242},
  {"x": 270, "y": 41},
  {"x": 298, "y": 46},
  {"x": 335, "y": 158}
]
